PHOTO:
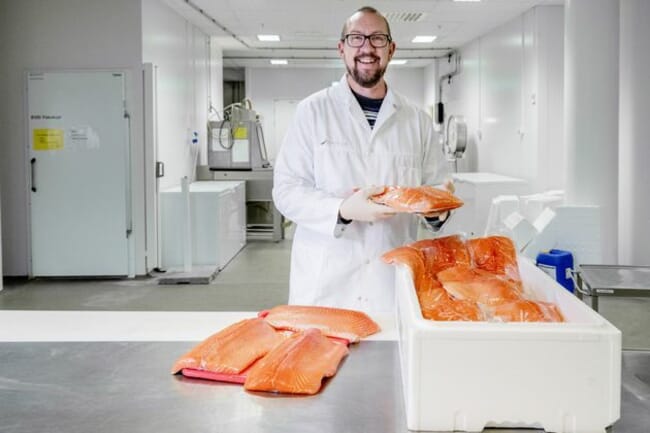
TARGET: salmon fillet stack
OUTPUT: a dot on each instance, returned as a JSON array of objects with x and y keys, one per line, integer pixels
[
  {"x": 421, "y": 199},
  {"x": 288, "y": 349},
  {"x": 470, "y": 280},
  {"x": 425, "y": 259}
]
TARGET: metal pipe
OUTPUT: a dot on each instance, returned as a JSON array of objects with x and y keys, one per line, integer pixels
[{"x": 440, "y": 118}]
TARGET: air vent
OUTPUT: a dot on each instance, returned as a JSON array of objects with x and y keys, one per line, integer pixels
[{"x": 405, "y": 17}]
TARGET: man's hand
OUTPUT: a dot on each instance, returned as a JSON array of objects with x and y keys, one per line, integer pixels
[{"x": 358, "y": 207}]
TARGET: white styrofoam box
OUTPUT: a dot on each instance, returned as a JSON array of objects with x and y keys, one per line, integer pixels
[
  {"x": 563, "y": 377},
  {"x": 218, "y": 223},
  {"x": 533, "y": 205},
  {"x": 501, "y": 206},
  {"x": 477, "y": 191},
  {"x": 521, "y": 231}
]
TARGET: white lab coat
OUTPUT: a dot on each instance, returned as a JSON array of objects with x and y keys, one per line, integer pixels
[{"x": 329, "y": 150}]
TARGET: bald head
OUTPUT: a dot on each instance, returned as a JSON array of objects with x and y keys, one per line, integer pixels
[{"x": 364, "y": 10}]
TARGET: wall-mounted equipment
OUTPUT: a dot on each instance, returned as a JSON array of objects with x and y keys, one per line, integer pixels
[
  {"x": 439, "y": 118},
  {"x": 237, "y": 142},
  {"x": 455, "y": 142}
]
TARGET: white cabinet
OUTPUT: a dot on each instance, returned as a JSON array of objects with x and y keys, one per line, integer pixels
[{"x": 217, "y": 222}]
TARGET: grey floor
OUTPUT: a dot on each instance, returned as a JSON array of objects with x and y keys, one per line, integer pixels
[{"x": 256, "y": 279}]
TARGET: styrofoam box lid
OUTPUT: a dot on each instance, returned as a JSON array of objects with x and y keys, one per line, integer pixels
[{"x": 208, "y": 186}]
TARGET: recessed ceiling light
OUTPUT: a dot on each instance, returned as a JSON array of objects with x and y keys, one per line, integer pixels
[
  {"x": 279, "y": 62},
  {"x": 268, "y": 38},
  {"x": 423, "y": 39},
  {"x": 398, "y": 62}
]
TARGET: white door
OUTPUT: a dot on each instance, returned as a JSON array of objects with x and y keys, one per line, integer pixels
[
  {"x": 79, "y": 179},
  {"x": 283, "y": 112}
]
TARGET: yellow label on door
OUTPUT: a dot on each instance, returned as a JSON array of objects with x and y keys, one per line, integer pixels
[
  {"x": 241, "y": 133},
  {"x": 48, "y": 139}
]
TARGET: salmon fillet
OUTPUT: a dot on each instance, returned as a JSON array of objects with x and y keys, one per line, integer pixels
[
  {"x": 442, "y": 253},
  {"x": 454, "y": 310},
  {"x": 496, "y": 254},
  {"x": 420, "y": 199},
  {"x": 333, "y": 322},
  {"x": 414, "y": 259},
  {"x": 298, "y": 365},
  {"x": 527, "y": 311},
  {"x": 232, "y": 349},
  {"x": 477, "y": 285}
]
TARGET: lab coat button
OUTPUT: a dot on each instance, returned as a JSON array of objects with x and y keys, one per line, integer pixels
[
  {"x": 370, "y": 223},
  {"x": 367, "y": 261}
]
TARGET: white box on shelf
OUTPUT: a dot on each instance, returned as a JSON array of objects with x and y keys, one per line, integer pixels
[
  {"x": 563, "y": 377},
  {"x": 218, "y": 223}
]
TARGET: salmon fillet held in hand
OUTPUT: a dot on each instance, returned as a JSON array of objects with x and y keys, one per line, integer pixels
[
  {"x": 421, "y": 199},
  {"x": 298, "y": 365},
  {"x": 333, "y": 322},
  {"x": 232, "y": 349}
]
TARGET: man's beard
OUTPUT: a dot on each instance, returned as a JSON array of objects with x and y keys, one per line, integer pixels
[{"x": 366, "y": 80}]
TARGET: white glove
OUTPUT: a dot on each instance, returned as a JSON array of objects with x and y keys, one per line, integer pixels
[{"x": 358, "y": 207}]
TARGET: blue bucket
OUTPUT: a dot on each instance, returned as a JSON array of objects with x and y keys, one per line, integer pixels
[{"x": 559, "y": 265}]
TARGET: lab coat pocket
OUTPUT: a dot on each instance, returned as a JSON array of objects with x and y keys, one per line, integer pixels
[
  {"x": 336, "y": 166},
  {"x": 405, "y": 169}
]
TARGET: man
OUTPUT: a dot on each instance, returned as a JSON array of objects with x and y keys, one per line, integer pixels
[{"x": 342, "y": 141}]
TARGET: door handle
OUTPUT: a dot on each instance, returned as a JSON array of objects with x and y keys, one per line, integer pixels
[{"x": 33, "y": 173}]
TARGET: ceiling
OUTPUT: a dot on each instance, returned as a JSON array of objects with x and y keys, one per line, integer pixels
[{"x": 309, "y": 29}]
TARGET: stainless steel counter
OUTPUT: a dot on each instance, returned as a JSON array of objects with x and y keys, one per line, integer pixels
[
  {"x": 125, "y": 387},
  {"x": 612, "y": 280}
]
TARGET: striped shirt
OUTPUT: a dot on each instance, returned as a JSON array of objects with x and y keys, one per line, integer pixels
[{"x": 369, "y": 106}]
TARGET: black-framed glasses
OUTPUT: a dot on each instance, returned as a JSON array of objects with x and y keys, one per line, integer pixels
[{"x": 377, "y": 40}]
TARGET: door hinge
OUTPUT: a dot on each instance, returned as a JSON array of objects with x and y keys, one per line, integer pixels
[{"x": 160, "y": 169}]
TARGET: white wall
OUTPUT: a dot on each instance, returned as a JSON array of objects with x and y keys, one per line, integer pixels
[
  {"x": 510, "y": 91},
  {"x": 266, "y": 86},
  {"x": 634, "y": 134},
  {"x": 61, "y": 34},
  {"x": 186, "y": 59}
]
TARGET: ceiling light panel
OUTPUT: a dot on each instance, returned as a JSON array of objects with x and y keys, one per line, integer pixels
[
  {"x": 423, "y": 39},
  {"x": 268, "y": 38}
]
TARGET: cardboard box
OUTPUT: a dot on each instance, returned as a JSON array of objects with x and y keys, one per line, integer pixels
[{"x": 464, "y": 376}]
